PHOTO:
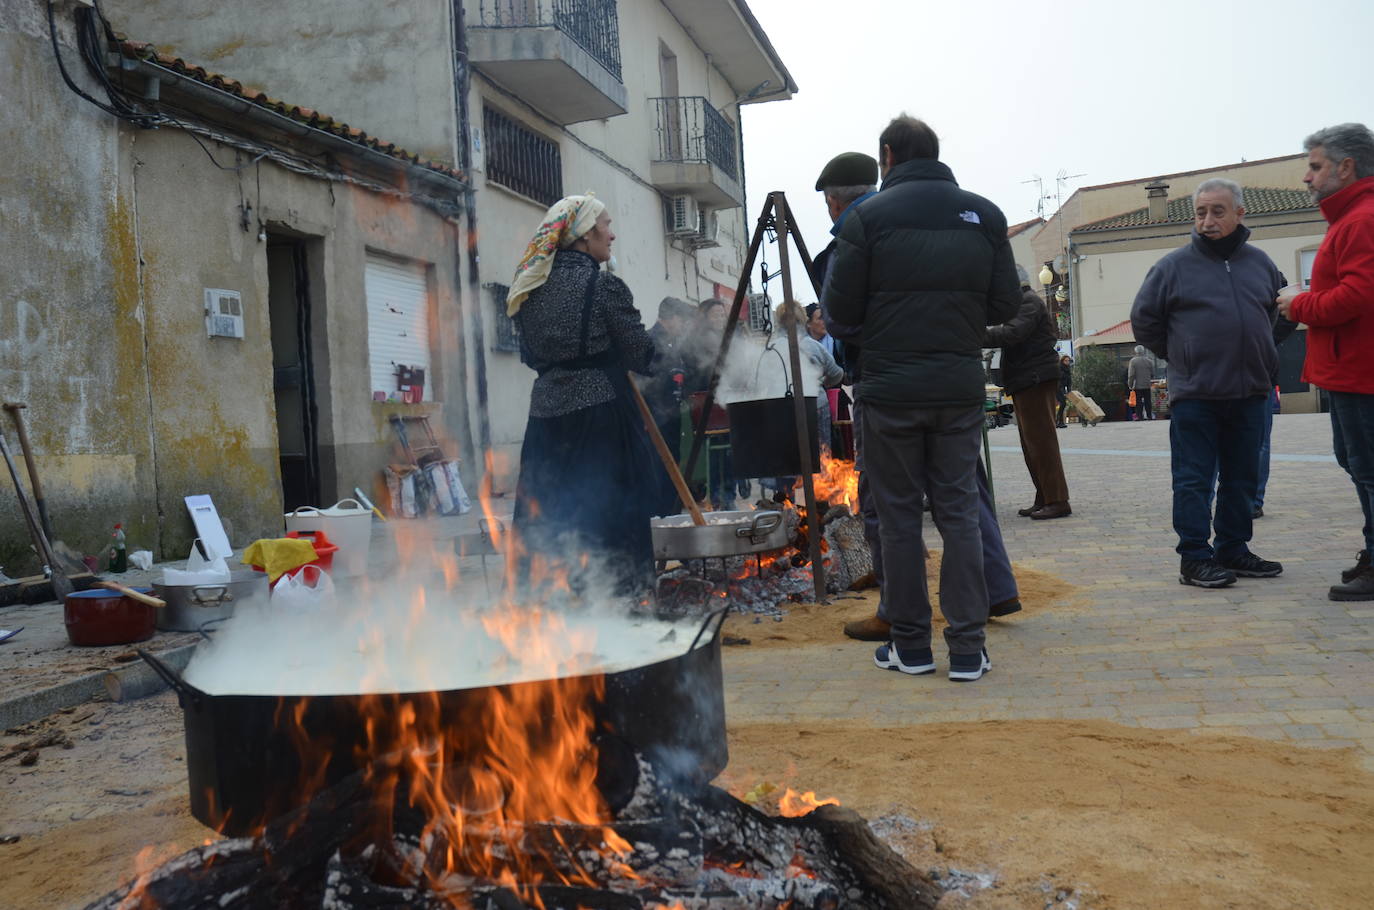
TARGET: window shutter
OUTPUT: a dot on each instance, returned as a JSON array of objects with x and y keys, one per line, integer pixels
[{"x": 397, "y": 321}]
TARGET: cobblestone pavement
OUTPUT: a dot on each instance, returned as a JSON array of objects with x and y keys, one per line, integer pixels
[{"x": 1272, "y": 658}]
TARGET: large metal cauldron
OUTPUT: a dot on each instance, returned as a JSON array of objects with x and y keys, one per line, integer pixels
[
  {"x": 724, "y": 534},
  {"x": 242, "y": 751},
  {"x": 763, "y": 437}
]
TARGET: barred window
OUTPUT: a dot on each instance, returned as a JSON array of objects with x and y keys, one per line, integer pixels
[
  {"x": 522, "y": 160},
  {"x": 507, "y": 333}
]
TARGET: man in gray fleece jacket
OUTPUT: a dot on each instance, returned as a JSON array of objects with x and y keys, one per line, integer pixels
[{"x": 1208, "y": 309}]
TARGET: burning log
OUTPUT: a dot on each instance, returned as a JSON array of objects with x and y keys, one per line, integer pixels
[{"x": 666, "y": 849}]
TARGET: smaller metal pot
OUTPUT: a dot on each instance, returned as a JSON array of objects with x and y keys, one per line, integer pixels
[
  {"x": 100, "y": 617},
  {"x": 191, "y": 606},
  {"x": 729, "y": 534}
]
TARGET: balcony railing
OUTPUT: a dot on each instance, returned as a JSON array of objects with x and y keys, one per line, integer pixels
[
  {"x": 593, "y": 24},
  {"x": 691, "y": 130}
]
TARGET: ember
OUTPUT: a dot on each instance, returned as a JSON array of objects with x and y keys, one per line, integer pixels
[{"x": 664, "y": 849}]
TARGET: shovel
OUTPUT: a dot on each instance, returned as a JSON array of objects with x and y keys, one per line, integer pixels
[
  {"x": 70, "y": 559},
  {"x": 61, "y": 584}
]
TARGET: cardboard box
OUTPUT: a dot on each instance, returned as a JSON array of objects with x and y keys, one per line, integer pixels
[{"x": 1087, "y": 409}]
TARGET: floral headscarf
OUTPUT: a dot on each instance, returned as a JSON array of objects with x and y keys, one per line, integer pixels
[{"x": 565, "y": 221}]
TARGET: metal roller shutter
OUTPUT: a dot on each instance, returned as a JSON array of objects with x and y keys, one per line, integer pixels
[{"x": 397, "y": 321}]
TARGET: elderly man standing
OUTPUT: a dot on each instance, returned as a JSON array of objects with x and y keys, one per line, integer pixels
[
  {"x": 1139, "y": 372},
  {"x": 1030, "y": 373},
  {"x": 1339, "y": 312},
  {"x": 1208, "y": 308},
  {"x": 921, "y": 269}
]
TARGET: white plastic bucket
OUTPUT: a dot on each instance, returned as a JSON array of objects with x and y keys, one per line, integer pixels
[{"x": 348, "y": 524}]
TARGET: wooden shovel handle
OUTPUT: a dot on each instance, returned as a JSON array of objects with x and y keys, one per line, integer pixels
[
  {"x": 669, "y": 463},
  {"x": 130, "y": 592}
]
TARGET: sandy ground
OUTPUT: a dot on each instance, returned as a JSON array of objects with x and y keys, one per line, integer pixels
[
  {"x": 1087, "y": 814},
  {"x": 1014, "y": 814}
]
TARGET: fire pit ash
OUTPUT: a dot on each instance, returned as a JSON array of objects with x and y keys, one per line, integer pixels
[{"x": 663, "y": 850}]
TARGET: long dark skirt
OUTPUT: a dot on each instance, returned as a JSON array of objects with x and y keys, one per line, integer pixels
[{"x": 587, "y": 488}]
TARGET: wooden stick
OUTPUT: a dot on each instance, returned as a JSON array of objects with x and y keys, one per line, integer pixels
[
  {"x": 130, "y": 592},
  {"x": 669, "y": 463},
  {"x": 813, "y": 514}
]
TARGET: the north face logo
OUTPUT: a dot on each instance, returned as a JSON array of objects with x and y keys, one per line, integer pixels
[{"x": 971, "y": 217}]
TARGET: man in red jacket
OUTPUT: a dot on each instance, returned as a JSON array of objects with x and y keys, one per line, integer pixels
[{"x": 1339, "y": 313}]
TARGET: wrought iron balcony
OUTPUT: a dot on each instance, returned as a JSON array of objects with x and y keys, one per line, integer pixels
[
  {"x": 563, "y": 56},
  {"x": 696, "y": 151}
]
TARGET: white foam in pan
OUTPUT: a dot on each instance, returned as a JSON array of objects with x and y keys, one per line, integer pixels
[{"x": 391, "y": 645}]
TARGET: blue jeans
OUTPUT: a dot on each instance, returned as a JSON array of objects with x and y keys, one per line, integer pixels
[
  {"x": 1264, "y": 447},
  {"x": 1222, "y": 436},
  {"x": 1352, "y": 437}
]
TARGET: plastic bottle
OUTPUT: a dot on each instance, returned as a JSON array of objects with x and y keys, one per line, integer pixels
[{"x": 119, "y": 556}]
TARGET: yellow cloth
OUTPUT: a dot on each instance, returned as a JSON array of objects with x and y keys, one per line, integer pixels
[
  {"x": 280, "y": 555},
  {"x": 565, "y": 221}
]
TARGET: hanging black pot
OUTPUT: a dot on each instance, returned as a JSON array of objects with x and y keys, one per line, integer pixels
[{"x": 763, "y": 437}]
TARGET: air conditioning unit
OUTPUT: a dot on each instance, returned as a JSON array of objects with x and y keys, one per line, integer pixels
[
  {"x": 708, "y": 230},
  {"x": 223, "y": 313},
  {"x": 684, "y": 216}
]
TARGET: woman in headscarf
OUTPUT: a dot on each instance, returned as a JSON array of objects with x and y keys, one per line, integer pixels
[{"x": 586, "y": 467}]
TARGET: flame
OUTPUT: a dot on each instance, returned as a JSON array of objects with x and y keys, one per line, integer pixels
[
  {"x": 837, "y": 481},
  {"x": 793, "y": 804},
  {"x": 146, "y": 862}
]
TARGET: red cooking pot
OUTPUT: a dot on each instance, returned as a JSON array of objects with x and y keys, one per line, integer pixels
[{"x": 100, "y": 617}]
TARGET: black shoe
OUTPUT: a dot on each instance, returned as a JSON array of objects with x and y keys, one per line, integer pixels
[
  {"x": 1361, "y": 563},
  {"x": 1259, "y": 512},
  {"x": 1051, "y": 510},
  {"x": 969, "y": 667},
  {"x": 914, "y": 662},
  {"x": 1005, "y": 608},
  {"x": 1026, "y": 512},
  {"x": 1361, "y": 587},
  {"x": 1205, "y": 573},
  {"x": 1248, "y": 565}
]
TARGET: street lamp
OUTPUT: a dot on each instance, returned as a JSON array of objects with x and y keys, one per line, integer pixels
[{"x": 1046, "y": 277}]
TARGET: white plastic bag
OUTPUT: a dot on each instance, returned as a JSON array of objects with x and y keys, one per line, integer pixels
[
  {"x": 310, "y": 589},
  {"x": 198, "y": 571},
  {"x": 455, "y": 485},
  {"x": 142, "y": 559}
]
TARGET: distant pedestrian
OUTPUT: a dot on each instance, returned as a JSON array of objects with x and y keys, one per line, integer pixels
[
  {"x": 1208, "y": 309},
  {"x": 1139, "y": 372},
  {"x": 1339, "y": 312},
  {"x": 1065, "y": 387}
]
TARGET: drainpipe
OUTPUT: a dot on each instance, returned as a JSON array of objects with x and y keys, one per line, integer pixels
[{"x": 462, "y": 75}]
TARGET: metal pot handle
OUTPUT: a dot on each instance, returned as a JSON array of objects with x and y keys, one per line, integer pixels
[
  {"x": 184, "y": 692},
  {"x": 764, "y": 523},
  {"x": 719, "y": 616},
  {"x": 220, "y": 593}
]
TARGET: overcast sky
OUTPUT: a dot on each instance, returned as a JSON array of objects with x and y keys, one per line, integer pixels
[{"x": 1109, "y": 89}]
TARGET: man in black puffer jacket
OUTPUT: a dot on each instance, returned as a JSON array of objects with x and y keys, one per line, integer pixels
[
  {"x": 1030, "y": 374},
  {"x": 923, "y": 267}
]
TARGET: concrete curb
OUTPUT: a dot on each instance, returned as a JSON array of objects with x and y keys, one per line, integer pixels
[{"x": 80, "y": 689}]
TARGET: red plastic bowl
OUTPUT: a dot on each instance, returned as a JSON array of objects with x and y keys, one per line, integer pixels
[{"x": 100, "y": 617}]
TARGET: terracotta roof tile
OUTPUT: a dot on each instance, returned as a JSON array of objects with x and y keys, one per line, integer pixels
[
  {"x": 1023, "y": 226},
  {"x": 1259, "y": 200},
  {"x": 1114, "y": 334},
  {"x": 304, "y": 115}
]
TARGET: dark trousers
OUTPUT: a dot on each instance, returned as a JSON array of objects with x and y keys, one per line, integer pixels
[
  {"x": 1062, "y": 394},
  {"x": 1223, "y": 436},
  {"x": 1001, "y": 581},
  {"x": 1352, "y": 437},
  {"x": 911, "y": 451},
  {"x": 1264, "y": 448},
  {"x": 1039, "y": 442},
  {"x": 1143, "y": 409}
]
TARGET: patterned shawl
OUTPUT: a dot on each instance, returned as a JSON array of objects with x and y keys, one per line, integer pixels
[{"x": 565, "y": 221}]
